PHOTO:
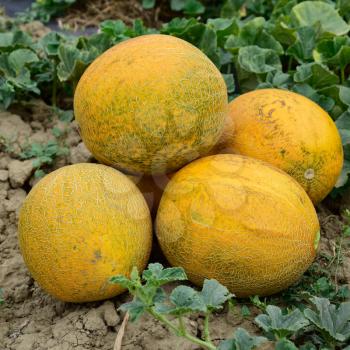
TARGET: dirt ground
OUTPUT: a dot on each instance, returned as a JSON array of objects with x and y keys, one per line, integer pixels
[
  {"x": 90, "y": 13},
  {"x": 30, "y": 319}
]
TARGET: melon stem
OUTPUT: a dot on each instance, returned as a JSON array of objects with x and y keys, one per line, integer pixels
[
  {"x": 206, "y": 327},
  {"x": 181, "y": 331}
]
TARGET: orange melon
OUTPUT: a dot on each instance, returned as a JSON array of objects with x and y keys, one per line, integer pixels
[
  {"x": 239, "y": 220},
  {"x": 150, "y": 105},
  {"x": 80, "y": 225},
  {"x": 289, "y": 131}
]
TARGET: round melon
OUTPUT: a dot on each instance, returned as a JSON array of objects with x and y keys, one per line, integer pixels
[
  {"x": 79, "y": 226},
  {"x": 150, "y": 105},
  {"x": 152, "y": 188},
  {"x": 239, "y": 220},
  {"x": 289, "y": 131}
]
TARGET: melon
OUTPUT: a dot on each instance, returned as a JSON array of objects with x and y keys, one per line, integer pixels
[
  {"x": 240, "y": 221},
  {"x": 289, "y": 131},
  {"x": 79, "y": 226},
  {"x": 150, "y": 104}
]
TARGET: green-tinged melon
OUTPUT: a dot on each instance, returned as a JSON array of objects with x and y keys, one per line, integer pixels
[
  {"x": 150, "y": 105},
  {"x": 79, "y": 226},
  {"x": 238, "y": 220}
]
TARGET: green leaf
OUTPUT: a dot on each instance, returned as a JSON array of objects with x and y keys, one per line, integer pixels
[
  {"x": 208, "y": 42},
  {"x": 157, "y": 275},
  {"x": 193, "y": 7},
  {"x": 231, "y": 8},
  {"x": 6, "y": 39},
  {"x": 57, "y": 132},
  {"x": 224, "y": 26},
  {"x": 17, "y": 75},
  {"x": 14, "y": 39},
  {"x": 184, "y": 300},
  {"x": 160, "y": 296},
  {"x": 283, "y": 8},
  {"x": 241, "y": 340},
  {"x": 344, "y": 175},
  {"x": 37, "y": 163},
  {"x": 344, "y": 7},
  {"x": 285, "y": 344},
  {"x": 134, "y": 275},
  {"x": 245, "y": 341},
  {"x": 308, "y": 13},
  {"x": 228, "y": 344},
  {"x": 332, "y": 91},
  {"x": 346, "y": 232},
  {"x": 65, "y": 116},
  {"x": 325, "y": 102},
  {"x": 148, "y": 4},
  {"x": 308, "y": 346},
  {"x": 302, "y": 49},
  {"x": 279, "y": 324},
  {"x": 255, "y": 300},
  {"x": 135, "y": 308},
  {"x": 335, "y": 51},
  {"x": 253, "y": 33},
  {"x": 344, "y": 95},
  {"x": 214, "y": 294},
  {"x": 245, "y": 311},
  {"x": 50, "y": 43},
  {"x": 122, "y": 281},
  {"x": 330, "y": 319},
  {"x": 39, "y": 173},
  {"x": 73, "y": 62},
  {"x": 19, "y": 58},
  {"x": 276, "y": 79},
  {"x": 138, "y": 28},
  {"x": 257, "y": 60},
  {"x": 177, "y": 5},
  {"x": 230, "y": 82},
  {"x": 316, "y": 75},
  {"x": 187, "y": 29},
  {"x": 189, "y": 7},
  {"x": 7, "y": 94},
  {"x": 285, "y": 34},
  {"x": 114, "y": 28}
]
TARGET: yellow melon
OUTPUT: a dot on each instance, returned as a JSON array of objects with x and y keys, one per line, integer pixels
[
  {"x": 289, "y": 131},
  {"x": 79, "y": 226},
  {"x": 150, "y": 105},
  {"x": 238, "y": 220}
]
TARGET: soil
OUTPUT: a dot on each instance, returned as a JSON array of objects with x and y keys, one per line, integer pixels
[
  {"x": 90, "y": 13},
  {"x": 30, "y": 319}
]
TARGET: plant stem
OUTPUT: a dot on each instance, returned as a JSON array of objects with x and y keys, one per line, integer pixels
[
  {"x": 180, "y": 331},
  {"x": 290, "y": 62},
  {"x": 163, "y": 319},
  {"x": 182, "y": 326},
  {"x": 206, "y": 327},
  {"x": 342, "y": 75},
  {"x": 200, "y": 342}
]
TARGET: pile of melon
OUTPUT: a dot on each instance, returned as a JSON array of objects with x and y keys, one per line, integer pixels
[{"x": 228, "y": 188}]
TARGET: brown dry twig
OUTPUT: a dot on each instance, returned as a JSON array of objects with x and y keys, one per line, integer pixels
[{"x": 120, "y": 335}]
